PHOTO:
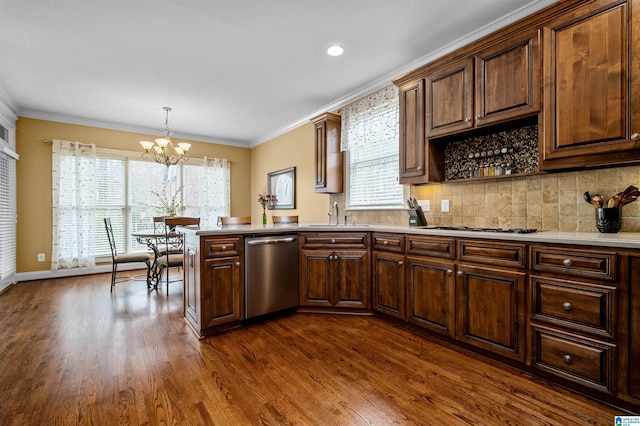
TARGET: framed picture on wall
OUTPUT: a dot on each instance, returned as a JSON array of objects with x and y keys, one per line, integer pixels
[{"x": 282, "y": 186}]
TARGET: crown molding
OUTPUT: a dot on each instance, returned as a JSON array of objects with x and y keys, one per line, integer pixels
[
  {"x": 385, "y": 80},
  {"x": 83, "y": 121},
  {"x": 8, "y": 108}
]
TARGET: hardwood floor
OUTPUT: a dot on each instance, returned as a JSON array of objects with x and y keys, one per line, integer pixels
[{"x": 72, "y": 353}]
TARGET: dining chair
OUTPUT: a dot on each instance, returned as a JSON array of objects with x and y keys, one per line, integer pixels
[
  {"x": 173, "y": 256},
  {"x": 235, "y": 220},
  {"x": 118, "y": 259},
  {"x": 158, "y": 224},
  {"x": 284, "y": 219}
]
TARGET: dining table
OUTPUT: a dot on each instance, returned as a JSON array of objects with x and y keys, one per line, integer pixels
[{"x": 156, "y": 240}]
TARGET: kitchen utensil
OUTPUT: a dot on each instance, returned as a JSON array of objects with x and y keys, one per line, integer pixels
[
  {"x": 614, "y": 201},
  {"x": 629, "y": 197},
  {"x": 587, "y": 197},
  {"x": 597, "y": 200}
]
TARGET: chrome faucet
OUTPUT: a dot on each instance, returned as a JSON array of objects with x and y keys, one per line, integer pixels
[{"x": 335, "y": 205}]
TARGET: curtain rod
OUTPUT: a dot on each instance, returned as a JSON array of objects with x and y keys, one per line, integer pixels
[{"x": 51, "y": 141}]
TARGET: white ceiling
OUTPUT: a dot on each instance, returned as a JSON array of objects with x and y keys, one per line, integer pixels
[{"x": 237, "y": 72}]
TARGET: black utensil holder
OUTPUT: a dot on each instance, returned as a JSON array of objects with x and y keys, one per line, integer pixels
[{"x": 609, "y": 219}]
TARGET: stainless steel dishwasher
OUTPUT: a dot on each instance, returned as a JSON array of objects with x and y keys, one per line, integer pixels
[{"x": 271, "y": 274}]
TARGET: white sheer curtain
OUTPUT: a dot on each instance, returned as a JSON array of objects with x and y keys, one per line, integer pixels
[
  {"x": 216, "y": 188},
  {"x": 74, "y": 189},
  {"x": 371, "y": 119}
]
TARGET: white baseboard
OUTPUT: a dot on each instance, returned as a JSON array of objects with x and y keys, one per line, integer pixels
[{"x": 98, "y": 269}]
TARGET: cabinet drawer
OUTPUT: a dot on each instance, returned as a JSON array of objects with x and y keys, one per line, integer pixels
[
  {"x": 335, "y": 240},
  {"x": 431, "y": 246},
  {"x": 579, "y": 263},
  {"x": 388, "y": 242},
  {"x": 580, "y": 306},
  {"x": 496, "y": 253},
  {"x": 584, "y": 361},
  {"x": 221, "y": 247}
]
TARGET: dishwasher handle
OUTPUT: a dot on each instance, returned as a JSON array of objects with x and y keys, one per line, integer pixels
[{"x": 271, "y": 241}]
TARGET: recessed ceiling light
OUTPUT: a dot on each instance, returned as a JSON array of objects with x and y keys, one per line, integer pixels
[{"x": 335, "y": 50}]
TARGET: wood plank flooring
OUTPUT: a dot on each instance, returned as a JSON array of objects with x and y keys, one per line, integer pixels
[{"x": 72, "y": 353}]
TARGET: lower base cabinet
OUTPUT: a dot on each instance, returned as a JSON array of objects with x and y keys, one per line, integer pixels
[
  {"x": 490, "y": 310},
  {"x": 431, "y": 294},
  {"x": 214, "y": 291}
]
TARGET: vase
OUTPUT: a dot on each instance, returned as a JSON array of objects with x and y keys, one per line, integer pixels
[{"x": 264, "y": 217}]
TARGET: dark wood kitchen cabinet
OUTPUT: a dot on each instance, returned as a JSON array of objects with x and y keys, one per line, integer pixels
[
  {"x": 328, "y": 166},
  {"x": 573, "y": 311},
  {"x": 335, "y": 271},
  {"x": 592, "y": 86},
  {"x": 431, "y": 283},
  {"x": 387, "y": 279},
  {"x": 213, "y": 283},
  {"x": 490, "y": 296},
  {"x": 507, "y": 86}
]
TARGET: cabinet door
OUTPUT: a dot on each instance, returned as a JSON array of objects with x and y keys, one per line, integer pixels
[
  {"x": 351, "y": 281},
  {"x": 508, "y": 80},
  {"x": 328, "y": 157},
  {"x": 412, "y": 142},
  {"x": 449, "y": 105},
  {"x": 431, "y": 294},
  {"x": 490, "y": 310},
  {"x": 315, "y": 278},
  {"x": 192, "y": 307},
  {"x": 586, "y": 87},
  {"x": 388, "y": 284},
  {"x": 222, "y": 291}
]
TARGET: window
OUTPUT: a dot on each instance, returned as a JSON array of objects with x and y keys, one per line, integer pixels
[
  {"x": 7, "y": 218},
  {"x": 124, "y": 191},
  {"x": 370, "y": 137}
]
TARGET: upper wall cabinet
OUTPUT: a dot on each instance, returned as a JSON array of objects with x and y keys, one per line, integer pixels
[
  {"x": 592, "y": 86},
  {"x": 507, "y": 86},
  {"x": 328, "y": 157}
]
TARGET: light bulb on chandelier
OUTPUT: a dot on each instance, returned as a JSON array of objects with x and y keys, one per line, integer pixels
[{"x": 163, "y": 151}]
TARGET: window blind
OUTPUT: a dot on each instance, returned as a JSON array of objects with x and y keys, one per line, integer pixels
[
  {"x": 370, "y": 127},
  {"x": 7, "y": 217}
]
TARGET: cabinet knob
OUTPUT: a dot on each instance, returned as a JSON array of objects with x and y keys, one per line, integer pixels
[
  {"x": 635, "y": 136},
  {"x": 386, "y": 243},
  {"x": 467, "y": 120},
  {"x": 419, "y": 168},
  {"x": 449, "y": 271},
  {"x": 333, "y": 241},
  {"x": 567, "y": 262},
  {"x": 567, "y": 359},
  {"x": 223, "y": 248},
  {"x": 237, "y": 263},
  {"x": 567, "y": 306},
  {"x": 478, "y": 117},
  {"x": 399, "y": 262},
  {"x": 460, "y": 273},
  {"x": 330, "y": 257}
]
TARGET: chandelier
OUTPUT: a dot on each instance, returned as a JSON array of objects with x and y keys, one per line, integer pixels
[{"x": 163, "y": 151}]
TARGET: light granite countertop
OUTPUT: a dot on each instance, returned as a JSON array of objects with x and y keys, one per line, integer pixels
[{"x": 628, "y": 240}]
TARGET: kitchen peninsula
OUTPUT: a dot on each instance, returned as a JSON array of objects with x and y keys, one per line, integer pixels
[{"x": 562, "y": 305}]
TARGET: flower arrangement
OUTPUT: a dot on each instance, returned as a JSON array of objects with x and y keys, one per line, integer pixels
[
  {"x": 170, "y": 203},
  {"x": 263, "y": 200}
]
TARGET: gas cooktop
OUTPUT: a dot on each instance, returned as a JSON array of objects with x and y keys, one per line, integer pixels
[{"x": 467, "y": 228}]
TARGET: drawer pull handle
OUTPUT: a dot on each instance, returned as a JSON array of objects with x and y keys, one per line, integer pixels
[
  {"x": 460, "y": 273},
  {"x": 223, "y": 248},
  {"x": 567, "y": 359},
  {"x": 386, "y": 243},
  {"x": 567, "y": 306},
  {"x": 567, "y": 262},
  {"x": 333, "y": 241},
  {"x": 449, "y": 271}
]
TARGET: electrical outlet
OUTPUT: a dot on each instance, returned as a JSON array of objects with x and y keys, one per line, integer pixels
[
  {"x": 425, "y": 204},
  {"x": 445, "y": 206},
  {"x": 40, "y": 257}
]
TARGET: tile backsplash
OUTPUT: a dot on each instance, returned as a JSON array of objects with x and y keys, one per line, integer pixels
[{"x": 551, "y": 201}]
